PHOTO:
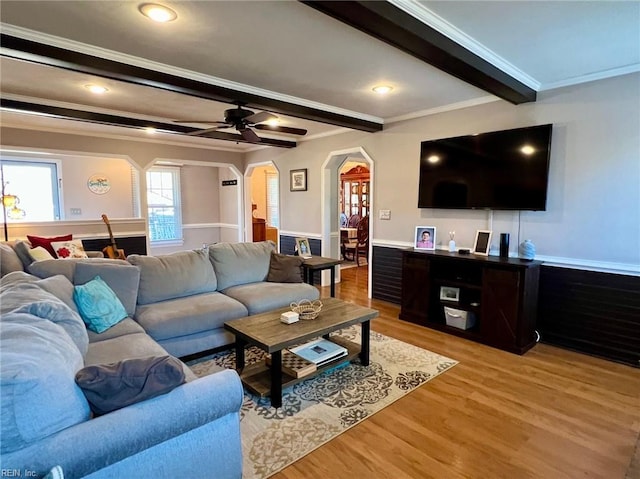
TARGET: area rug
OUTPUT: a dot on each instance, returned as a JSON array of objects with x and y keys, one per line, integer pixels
[{"x": 319, "y": 409}]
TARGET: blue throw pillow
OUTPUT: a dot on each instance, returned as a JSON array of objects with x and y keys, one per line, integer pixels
[{"x": 98, "y": 305}]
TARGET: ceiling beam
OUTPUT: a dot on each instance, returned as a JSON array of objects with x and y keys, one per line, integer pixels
[
  {"x": 28, "y": 50},
  {"x": 394, "y": 26},
  {"x": 114, "y": 120}
]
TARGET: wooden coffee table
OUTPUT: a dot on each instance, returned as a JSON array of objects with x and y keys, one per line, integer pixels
[{"x": 269, "y": 334}]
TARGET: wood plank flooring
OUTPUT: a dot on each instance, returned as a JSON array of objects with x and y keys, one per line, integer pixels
[{"x": 550, "y": 414}]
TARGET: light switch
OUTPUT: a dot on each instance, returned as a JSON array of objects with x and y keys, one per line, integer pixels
[
  {"x": 75, "y": 211},
  {"x": 385, "y": 214}
]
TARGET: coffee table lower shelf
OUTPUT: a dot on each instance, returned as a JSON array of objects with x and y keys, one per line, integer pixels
[{"x": 257, "y": 377}]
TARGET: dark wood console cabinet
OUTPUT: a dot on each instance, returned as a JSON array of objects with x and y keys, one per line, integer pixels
[{"x": 501, "y": 292}]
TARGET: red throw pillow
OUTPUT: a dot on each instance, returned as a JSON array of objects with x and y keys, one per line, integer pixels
[{"x": 46, "y": 242}]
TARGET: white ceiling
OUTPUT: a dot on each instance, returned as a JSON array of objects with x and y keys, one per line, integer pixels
[{"x": 289, "y": 51}]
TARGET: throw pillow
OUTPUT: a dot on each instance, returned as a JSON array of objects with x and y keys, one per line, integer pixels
[
  {"x": 285, "y": 269},
  {"x": 108, "y": 387},
  {"x": 69, "y": 249},
  {"x": 46, "y": 242},
  {"x": 98, "y": 305},
  {"x": 39, "y": 253}
]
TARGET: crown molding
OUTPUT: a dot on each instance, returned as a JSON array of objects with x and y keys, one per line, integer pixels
[
  {"x": 603, "y": 75},
  {"x": 442, "y": 109}
]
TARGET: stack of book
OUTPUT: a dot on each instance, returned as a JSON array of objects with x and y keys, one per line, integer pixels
[{"x": 306, "y": 358}]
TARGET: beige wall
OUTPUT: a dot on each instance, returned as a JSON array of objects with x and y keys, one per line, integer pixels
[
  {"x": 593, "y": 205},
  {"x": 116, "y": 203}
]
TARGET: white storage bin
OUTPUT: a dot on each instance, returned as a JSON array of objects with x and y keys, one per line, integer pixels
[{"x": 459, "y": 318}]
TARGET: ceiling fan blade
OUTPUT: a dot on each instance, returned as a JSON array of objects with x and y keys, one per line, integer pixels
[
  {"x": 282, "y": 129},
  {"x": 202, "y": 132},
  {"x": 250, "y": 135},
  {"x": 201, "y": 121},
  {"x": 260, "y": 117}
]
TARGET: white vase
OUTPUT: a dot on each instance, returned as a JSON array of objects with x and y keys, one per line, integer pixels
[
  {"x": 527, "y": 250},
  {"x": 452, "y": 246}
]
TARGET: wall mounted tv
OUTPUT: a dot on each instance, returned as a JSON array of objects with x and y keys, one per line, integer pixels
[{"x": 500, "y": 170}]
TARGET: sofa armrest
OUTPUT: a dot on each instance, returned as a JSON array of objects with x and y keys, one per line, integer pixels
[{"x": 105, "y": 440}]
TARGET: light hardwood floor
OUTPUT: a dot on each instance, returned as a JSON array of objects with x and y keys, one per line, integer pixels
[{"x": 550, "y": 414}]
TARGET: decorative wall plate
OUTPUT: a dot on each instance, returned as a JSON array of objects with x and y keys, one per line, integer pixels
[{"x": 98, "y": 184}]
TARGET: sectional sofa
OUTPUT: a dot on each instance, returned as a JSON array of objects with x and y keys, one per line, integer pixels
[{"x": 176, "y": 306}]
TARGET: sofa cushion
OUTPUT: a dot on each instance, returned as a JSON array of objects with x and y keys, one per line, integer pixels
[
  {"x": 264, "y": 296},
  {"x": 175, "y": 275},
  {"x": 9, "y": 260},
  {"x": 46, "y": 242},
  {"x": 240, "y": 263},
  {"x": 25, "y": 293},
  {"x": 38, "y": 363},
  {"x": 285, "y": 269},
  {"x": 185, "y": 316},
  {"x": 121, "y": 277},
  {"x": 109, "y": 387},
  {"x": 52, "y": 267},
  {"x": 23, "y": 250},
  {"x": 124, "y": 327},
  {"x": 98, "y": 305}
]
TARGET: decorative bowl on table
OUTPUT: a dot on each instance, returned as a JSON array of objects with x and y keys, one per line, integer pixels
[{"x": 307, "y": 309}]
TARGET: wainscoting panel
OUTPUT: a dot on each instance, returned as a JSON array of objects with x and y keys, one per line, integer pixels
[
  {"x": 386, "y": 279},
  {"x": 596, "y": 313},
  {"x": 130, "y": 244}
]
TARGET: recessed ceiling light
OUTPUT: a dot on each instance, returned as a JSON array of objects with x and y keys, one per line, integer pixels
[
  {"x": 150, "y": 130},
  {"x": 382, "y": 89},
  {"x": 157, "y": 12},
  {"x": 97, "y": 89},
  {"x": 273, "y": 122}
]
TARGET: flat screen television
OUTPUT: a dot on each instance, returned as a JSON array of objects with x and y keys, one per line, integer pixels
[{"x": 500, "y": 170}]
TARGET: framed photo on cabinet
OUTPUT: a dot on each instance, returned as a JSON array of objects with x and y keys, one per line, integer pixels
[{"x": 482, "y": 243}]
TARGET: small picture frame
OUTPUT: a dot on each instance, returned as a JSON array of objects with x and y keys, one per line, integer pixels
[
  {"x": 303, "y": 249},
  {"x": 425, "y": 238},
  {"x": 482, "y": 243},
  {"x": 298, "y": 180},
  {"x": 447, "y": 293}
]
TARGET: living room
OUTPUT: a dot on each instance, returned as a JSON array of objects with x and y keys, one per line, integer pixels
[{"x": 589, "y": 227}]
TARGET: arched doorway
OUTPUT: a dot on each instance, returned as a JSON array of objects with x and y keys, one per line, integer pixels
[
  {"x": 262, "y": 202},
  {"x": 329, "y": 210}
]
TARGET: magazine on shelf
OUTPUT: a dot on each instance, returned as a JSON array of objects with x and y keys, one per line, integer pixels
[
  {"x": 294, "y": 365},
  {"x": 320, "y": 351}
]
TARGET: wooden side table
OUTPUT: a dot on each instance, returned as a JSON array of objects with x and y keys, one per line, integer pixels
[{"x": 318, "y": 263}]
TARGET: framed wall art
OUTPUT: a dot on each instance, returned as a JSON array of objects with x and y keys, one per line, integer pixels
[{"x": 298, "y": 180}]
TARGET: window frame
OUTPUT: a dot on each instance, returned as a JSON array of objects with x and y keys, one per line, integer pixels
[
  {"x": 55, "y": 167},
  {"x": 178, "y": 240}
]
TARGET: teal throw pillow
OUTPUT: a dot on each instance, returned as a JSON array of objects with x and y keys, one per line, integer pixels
[{"x": 98, "y": 305}]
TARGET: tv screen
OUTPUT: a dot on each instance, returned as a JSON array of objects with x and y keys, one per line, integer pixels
[{"x": 500, "y": 170}]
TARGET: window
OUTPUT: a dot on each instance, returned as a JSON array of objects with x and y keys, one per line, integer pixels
[
  {"x": 36, "y": 186},
  {"x": 163, "y": 202},
  {"x": 273, "y": 206}
]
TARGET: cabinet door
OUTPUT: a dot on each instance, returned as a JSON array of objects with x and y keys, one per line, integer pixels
[
  {"x": 415, "y": 288},
  {"x": 500, "y": 307}
]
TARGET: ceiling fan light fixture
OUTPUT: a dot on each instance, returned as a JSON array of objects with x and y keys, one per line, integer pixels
[
  {"x": 97, "y": 89},
  {"x": 273, "y": 121},
  {"x": 158, "y": 13},
  {"x": 382, "y": 89}
]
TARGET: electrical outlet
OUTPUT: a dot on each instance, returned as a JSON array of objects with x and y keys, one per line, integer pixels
[
  {"x": 385, "y": 214},
  {"x": 75, "y": 211}
]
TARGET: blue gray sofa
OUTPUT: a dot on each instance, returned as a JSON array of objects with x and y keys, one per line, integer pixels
[{"x": 177, "y": 305}]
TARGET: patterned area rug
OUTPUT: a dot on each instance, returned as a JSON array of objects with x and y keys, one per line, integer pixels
[{"x": 318, "y": 409}]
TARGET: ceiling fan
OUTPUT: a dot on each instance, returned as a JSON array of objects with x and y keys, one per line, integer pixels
[{"x": 243, "y": 120}]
